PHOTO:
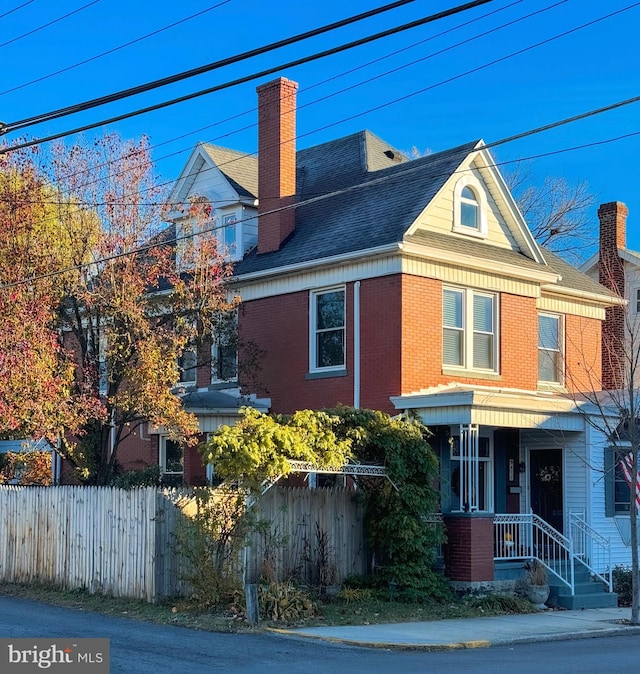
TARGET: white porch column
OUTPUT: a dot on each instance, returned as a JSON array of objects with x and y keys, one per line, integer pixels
[{"x": 469, "y": 467}]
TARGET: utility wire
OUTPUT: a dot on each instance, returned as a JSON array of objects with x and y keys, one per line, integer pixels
[
  {"x": 46, "y": 25},
  {"x": 329, "y": 79},
  {"x": 321, "y": 55},
  {"x": 178, "y": 77},
  {"x": 243, "y": 80},
  {"x": 420, "y": 91},
  {"x": 351, "y": 188},
  {"x": 114, "y": 49},
  {"x": 333, "y": 94},
  {"x": 619, "y": 104},
  {"x": 15, "y": 9}
]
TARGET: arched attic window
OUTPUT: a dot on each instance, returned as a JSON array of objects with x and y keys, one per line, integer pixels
[{"x": 470, "y": 208}]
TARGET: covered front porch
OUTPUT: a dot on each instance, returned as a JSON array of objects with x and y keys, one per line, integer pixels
[{"x": 513, "y": 484}]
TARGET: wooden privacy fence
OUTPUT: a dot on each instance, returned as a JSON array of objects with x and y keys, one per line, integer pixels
[
  {"x": 102, "y": 539},
  {"x": 313, "y": 534},
  {"x": 115, "y": 541}
]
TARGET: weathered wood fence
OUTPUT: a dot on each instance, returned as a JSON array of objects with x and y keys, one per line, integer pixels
[
  {"x": 313, "y": 534},
  {"x": 120, "y": 542}
]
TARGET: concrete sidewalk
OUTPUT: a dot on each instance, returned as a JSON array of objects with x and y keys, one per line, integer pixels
[{"x": 480, "y": 632}]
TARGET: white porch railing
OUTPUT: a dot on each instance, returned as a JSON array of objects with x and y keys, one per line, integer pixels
[
  {"x": 527, "y": 536},
  {"x": 591, "y": 549}
]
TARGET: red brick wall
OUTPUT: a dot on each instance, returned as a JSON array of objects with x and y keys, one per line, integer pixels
[
  {"x": 518, "y": 342},
  {"x": 422, "y": 339},
  {"x": 138, "y": 451},
  {"x": 276, "y": 161},
  {"x": 583, "y": 340},
  {"x": 613, "y": 218},
  {"x": 280, "y": 327},
  {"x": 469, "y": 550},
  {"x": 421, "y": 333},
  {"x": 401, "y": 345}
]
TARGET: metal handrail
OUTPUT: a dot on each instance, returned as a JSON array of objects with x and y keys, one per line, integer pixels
[
  {"x": 592, "y": 549},
  {"x": 527, "y": 536}
]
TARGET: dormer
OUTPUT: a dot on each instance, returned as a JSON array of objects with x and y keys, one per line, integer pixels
[{"x": 226, "y": 180}]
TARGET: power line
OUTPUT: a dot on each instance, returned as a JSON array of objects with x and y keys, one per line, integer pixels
[
  {"x": 333, "y": 94},
  {"x": 114, "y": 49},
  {"x": 178, "y": 77},
  {"x": 46, "y": 25},
  {"x": 622, "y": 103},
  {"x": 334, "y": 77},
  {"x": 243, "y": 80},
  {"x": 432, "y": 86},
  {"x": 322, "y": 55},
  {"x": 351, "y": 188},
  {"x": 15, "y": 9}
]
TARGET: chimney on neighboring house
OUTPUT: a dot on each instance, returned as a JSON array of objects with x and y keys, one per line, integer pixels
[
  {"x": 276, "y": 162},
  {"x": 613, "y": 236}
]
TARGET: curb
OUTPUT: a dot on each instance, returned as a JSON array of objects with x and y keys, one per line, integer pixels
[
  {"x": 465, "y": 645},
  {"x": 453, "y": 646}
]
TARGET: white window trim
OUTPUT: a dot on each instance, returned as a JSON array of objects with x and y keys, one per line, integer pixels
[
  {"x": 162, "y": 458},
  {"x": 312, "y": 329},
  {"x": 636, "y": 303},
  {"x": 489, "y": 488},
  {"x": 474, "y": 184},
  {"x": 468, "y": 332},
  {"x": 561, "y": 346},
  {"x": 215, "y": 363},
  {"x": 191, "y": 372}
]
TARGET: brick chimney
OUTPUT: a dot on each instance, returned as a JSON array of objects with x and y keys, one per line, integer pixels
[
  {"x": 613, "y": 236},
  {"x": 276, "y": 162}
]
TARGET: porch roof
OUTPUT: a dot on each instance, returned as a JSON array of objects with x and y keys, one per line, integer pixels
[{"x": 455, "y": 403}]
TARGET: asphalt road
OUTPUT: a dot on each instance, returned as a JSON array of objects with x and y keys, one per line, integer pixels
[{"x": 145, "y": 648}]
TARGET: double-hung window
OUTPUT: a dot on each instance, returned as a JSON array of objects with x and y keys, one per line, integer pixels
[
  {"x": 187, "y": 364},
  {"x": 469, "y": 320},
  {"x": 171, "y": 461},
  {"x": 327, "y": 330},
  {"x": 616, "y": 481},
  {"x": 228, "y": 234},
  {"x": 550, "y": 361}
]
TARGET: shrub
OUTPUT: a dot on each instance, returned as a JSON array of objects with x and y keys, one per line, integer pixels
[
  {"x": 209, "y": 539},
  {"x": 622, "y": 584},
  {"x": 499, "y": 603},
  {"x": 351, "y": 595},
  {"x": 130, "y": 479},
  {"x": 284, "y": 602}
]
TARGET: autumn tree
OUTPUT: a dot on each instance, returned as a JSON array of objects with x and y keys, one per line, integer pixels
[
  {"x": 36, "y": 373},
  {"x": 122, "y": 310}
]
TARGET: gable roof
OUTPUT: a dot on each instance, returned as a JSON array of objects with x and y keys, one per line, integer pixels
[
  {"x": 239, "y": 168},
  {"x": 630, "y": 256},
  {"x": 574, "y": 279},
  {"x": 358, "y": 193}
]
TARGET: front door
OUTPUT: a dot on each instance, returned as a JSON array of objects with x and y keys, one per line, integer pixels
[{"x": 545, "y": 482}]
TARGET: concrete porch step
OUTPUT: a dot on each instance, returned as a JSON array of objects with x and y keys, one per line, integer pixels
[{"x": 578, "y": 601}]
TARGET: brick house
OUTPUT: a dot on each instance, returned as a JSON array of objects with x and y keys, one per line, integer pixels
[{"x": 371, "y": 280}]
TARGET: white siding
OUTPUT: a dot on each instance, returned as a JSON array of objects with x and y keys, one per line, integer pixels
[
  {"x": 438, "y": 216},
  {"x": 596, "y": 517},
  {"x": 575, "y": 472}
]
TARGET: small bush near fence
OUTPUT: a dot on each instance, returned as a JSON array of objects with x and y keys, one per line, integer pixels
[{"x": 622, "y": 584}]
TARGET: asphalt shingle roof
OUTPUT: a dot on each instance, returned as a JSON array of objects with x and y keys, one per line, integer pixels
[
  {"x": 350, "y": 217},
  {"x": 240, "y": 169},
  {"x": 362, "y": 193}
]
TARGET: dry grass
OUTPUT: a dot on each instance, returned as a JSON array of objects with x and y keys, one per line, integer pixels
[{"x": 368, "y": 609}]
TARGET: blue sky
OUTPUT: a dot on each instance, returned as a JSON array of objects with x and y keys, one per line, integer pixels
[{"x": 589, "y": 68}]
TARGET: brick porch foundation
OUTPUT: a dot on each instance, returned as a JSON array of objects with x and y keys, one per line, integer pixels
[{"x": 468, "y": 554}]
